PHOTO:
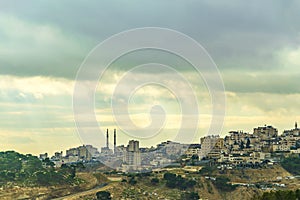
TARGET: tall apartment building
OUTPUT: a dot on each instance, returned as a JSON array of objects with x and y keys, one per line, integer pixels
[{"x": 132, "y": 156}]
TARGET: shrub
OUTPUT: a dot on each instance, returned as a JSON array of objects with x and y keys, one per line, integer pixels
[
  {"x": 222, "y": 184},
  {"x": 103, "y": 195},
  {"x": 190, "y": 196},
  {"x": 291, "y": 164},
  {"x": 155, "y": 181}
]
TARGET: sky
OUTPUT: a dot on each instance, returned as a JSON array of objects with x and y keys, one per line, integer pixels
[{"x": 255, "y": 45}]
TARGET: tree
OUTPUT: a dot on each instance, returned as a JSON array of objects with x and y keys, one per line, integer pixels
[
  {"x": 29, "y": 170},
  {"x": 43, "y": 178},
  {"x": 132, "y": 181},
  {"x": 103, "y": 195},
  {"x": 155, "y": 181},
  {"x": 169, "y": 176},
  {"x": 80, "y": 166},
  {"x": 173, "y": 181},
  {"x": 171, "y": 184},
  {"x": 291, "y": 164},
  {"x": 190, "y": 183},
  {"x": 222, "y": 184},
  {"x": 48, "y": 162},
  {"x": 297, "y": 193},
  {"x": 248, "y": 143},
  {"x": 190, "y": 196},
  {"x": 195, "y": 157},
  {"x": 242, "y": 146}
]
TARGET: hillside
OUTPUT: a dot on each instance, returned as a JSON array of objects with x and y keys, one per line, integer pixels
[
  {"x": 26, "y": 177},
  {"x": 144, "y": 188},
  {"x": 27, "y": 170}
]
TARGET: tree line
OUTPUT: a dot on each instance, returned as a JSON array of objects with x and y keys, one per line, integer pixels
[{"x": 29, "y": 170}]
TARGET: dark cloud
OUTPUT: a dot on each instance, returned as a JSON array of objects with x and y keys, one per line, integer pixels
[{"x": 238, "y": 35}]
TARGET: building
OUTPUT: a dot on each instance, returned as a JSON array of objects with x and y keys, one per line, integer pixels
[
  {"x": 194, "y": 149},
  {"x": 280, "y": 147},
  {"x": 72, "y": 152},
  {"x": 57, "y": 156},
  {"x": 43, "y": 156},
  {"x": 84, "y": 153},
  {"x": 132, "y": 156},
  {"x": 293, "y": 132},
  {"x": 265, "y": 132},
  {"x": 210, "y": 144}
]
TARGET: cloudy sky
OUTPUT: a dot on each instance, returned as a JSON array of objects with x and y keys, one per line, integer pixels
[{"x": 255, "y": 45}]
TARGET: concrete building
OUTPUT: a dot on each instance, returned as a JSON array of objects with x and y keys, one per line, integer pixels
[
  {"x": 193, "y": 149},
  {"x": 265, "y": 132},
  {"x": 293, "y": 132},
  {"x": 85, "y": 152},
  {"x": 132, "y": 156},
  {"x": 57, "y": 156},
  {"x": 43, "y": 156},
  {"x": 210, "y": 144},
  {"x": 280, "y": 147}
]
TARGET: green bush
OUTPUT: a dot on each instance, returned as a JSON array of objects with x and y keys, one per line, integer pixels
[
  {"x": 103, "y": 195},
  {"x": 154, "y": 181},
  {"x": 222, "y": 184}
]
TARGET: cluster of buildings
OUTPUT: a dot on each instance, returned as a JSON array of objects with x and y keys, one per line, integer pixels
[
  {"x": 263, "y": 145},
  {"x": 79, "y": 154}
]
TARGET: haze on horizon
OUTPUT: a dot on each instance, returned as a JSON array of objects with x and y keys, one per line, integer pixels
[{"x": 256, "y": 46}]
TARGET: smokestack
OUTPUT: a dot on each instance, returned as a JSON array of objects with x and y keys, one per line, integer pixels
[
  {"x": 107, "y": 144},
  {"x": 115, "y": 140}
]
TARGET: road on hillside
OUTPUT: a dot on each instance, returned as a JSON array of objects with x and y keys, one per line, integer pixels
[{"x": 85, "y": 193}]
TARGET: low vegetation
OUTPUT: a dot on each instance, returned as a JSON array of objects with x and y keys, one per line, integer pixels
[
  {"x": 279, "y": 195},
  {"x": 222, "y": 184},
  {"x": 176, "y": 181},
  {"x": 190, "y": 196},
  {"x": 291, "y": 164},
  {"x": 103, "y": 195}
]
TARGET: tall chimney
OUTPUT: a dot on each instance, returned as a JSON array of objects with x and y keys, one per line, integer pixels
[
  {"x": 107, "y": 144},
  {"x": 115, "y": 140}
]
